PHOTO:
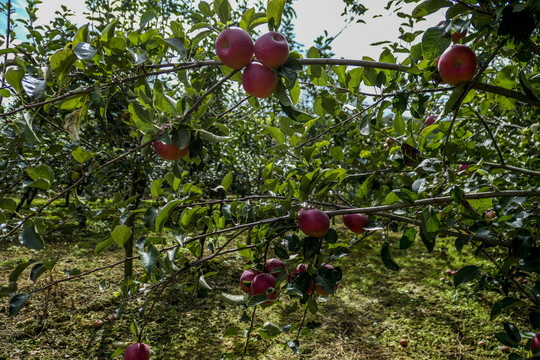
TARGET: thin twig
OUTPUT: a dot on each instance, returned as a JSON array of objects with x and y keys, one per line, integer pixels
[
  {"x": 249, "y": 331},
  {"x": 490, "y": 135}
]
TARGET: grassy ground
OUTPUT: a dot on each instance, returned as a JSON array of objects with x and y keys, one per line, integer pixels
[{"x": 374, "y": 309}]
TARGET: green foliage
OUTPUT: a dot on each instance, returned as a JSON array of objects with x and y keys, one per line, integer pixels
[{"x": 84, "y": 120}]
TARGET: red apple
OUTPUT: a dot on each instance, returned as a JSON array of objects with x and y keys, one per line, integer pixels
[
  {"x": 313, "y": 222},
  {"x": 403, "y": 342},
  {"x": 272, "y": 49},
  {"x": 275, "y": 267},
  {"x": 463, "y": 167},
  {"x": 247, "y": 276},
  {"x": 170, "y": 151},
  {"x": 98, "y": 323},
  {"x": 355, "y": 222},
  {"x": 430, "y": 120},
  {"x": 234, "y": 47},
  {"x": 261, "y": 283},
  {"x": 536, "y": 342},
  {"x": 458, "y": 36},
  {"x": 137, "y": 351},
  {"x": 490, "y": 215},
  {"x": 258, "y": 80},
  {"x": 457, "y": 65}
]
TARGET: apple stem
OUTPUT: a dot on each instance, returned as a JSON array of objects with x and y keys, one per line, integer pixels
[{"x": 249, "y": 332}]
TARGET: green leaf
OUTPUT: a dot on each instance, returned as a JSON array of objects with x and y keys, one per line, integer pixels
[
  {"x": 466, "y": 274},
  {"x": 178, "y": 45},
  {"x": 62, "y": 61},
  {"x": 80, "y": 155},
  {"x": 164, "y": 213},
  {"x": 16, "y": 304},
  {"x": 430, "y": 226},
  {"x": 37, "y": 270},
  {"x": 276, "y": 134},
  {"x": 270, "y": 330},
  {"x": 451, "y": 104},
  {"x": 236, "y": 300},
  {"x": 311, "y": 247},
  {"x": 257, "y": 300},
  {"x": 227, "y": 181},
  {"x": 148, "y": 259},
  {"x": 41, "y": 171},
  {"x": 8, "y": 204},
  {"x": 429, "y": 7},
  {"x": 148, "y": 16},
  {"x": 102, "y": 246},
  {"x": 142, "y": 118},
  {"x": 274, "y": 11},
  {"x": 121, "y": 234},
  {"x": 212, "y": 138},
  {"x": 85, "y": 51},
  {"x": 33, "y": 87},
  {"x": 31, "y": 238},
  {"x": 14, "y": 78},
  {"x": 223, "y": 9},
  {"x": 503, "y": 305},
  {"x": 337, "y": 153},
  {"x": 108, "y": 32},
  {"x": 163, "y": 102},
  {"x": 457, "y": 194},
  {"x": 14, "y": 276},
  {"x": 231, "y": 331},
  {"x": 363, "y": 192},
  {"x": 434, "y": 43},
  {"x": 387, "y": 258},
  {"x": 407, "y": 239}
]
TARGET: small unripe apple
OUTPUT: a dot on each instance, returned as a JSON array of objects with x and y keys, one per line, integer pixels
[
  {"x": 490, "y": 215},
  {"x": 457, "y": 65},
  {"x": 355, "y": 222},
  {"x": 258, "y": 80},
  {"x": 234, "y": 47},
  {"x": 430, "y": 120},
  {"x": 272, "y": 49},
  {"x": 463, "y": 167},
  {"x": 481, "y": 343},
  {"x": 536, "y": 342},
  {"x": 137, "y": 351},
  {"x": 403, "y": 342},
  {"x": 247, "y": 276},
  {"x": 170, "y": 151},
  {"x": 313, "y": 222},
  {"x": 98, "y": 323},
  {"x": 505, "y": 349}
]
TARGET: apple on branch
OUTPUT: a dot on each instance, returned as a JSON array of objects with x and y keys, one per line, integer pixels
[
  {"x": 258, "y": 80},
  {"x": 430, "y": 120},
  {"x": 247, "y": 277},
  {"x": 272, "y": 49},
  {"x": 234, "y": 47},
  {"x": 457, "y": 65},
  {"x": 355, "y": 222},
  {"x": 313, "y": 222}
]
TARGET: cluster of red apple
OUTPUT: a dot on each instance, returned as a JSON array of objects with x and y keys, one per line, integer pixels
[
  {"x": 235, "y": 49},
  {"x": 314, "y": 223}
]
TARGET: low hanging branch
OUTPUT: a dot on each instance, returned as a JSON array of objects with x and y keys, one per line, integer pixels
[{"x": 312, "y": 61}]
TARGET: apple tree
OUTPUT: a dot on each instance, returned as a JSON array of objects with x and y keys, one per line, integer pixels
[{"x": 168, "y": 129}]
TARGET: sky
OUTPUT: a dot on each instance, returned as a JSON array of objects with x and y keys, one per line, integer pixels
[{"x": 314, "y": 16}]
